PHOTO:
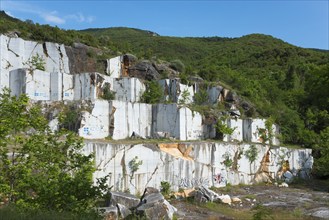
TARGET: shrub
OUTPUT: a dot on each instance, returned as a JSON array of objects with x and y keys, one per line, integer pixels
[
  {"x": 134, "y": 165},
  {"x": 228, "y": 162},
  {"x": 222, "y": 128},
  {"x": 177, "y": 65},
  {"x": 153, "y": 93},
  {"x": 185, "y": 97},
  {"x": 36, "y": 62},
  {"x": 108, "y": 94},
  {"x": 201, "y": 97},
  {"x": 165, "y": 188},
  {"x": 251, "y": 153}
]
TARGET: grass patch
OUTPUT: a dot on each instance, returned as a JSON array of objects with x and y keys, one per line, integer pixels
[
  {"x": 12, "y": 213},
  {"x": 230, "y": 189},
  {"x": 250, "y": 196},
  {"x": 263, "y": 212},
  {"x": 228, "y": 211}
]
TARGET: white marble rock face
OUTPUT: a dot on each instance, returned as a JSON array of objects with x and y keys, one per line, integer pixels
[
  {"x": 15, "y": 53},
  {"x": 207, "y": 168}
]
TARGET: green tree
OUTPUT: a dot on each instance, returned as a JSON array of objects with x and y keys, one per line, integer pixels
[
  {"x": 201, "y": 97},
  {"x": 251, "y": 154},
  {"x": 222, "y": 128},
  {"x": 36, "y": 62},
  {"x": 184, "y": 98},
  {"x": 321, "y": 162},
  {"x": 153, "y": 93},
  {"x": 41, "y": 170}
]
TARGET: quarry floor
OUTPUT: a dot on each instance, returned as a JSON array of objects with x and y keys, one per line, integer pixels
[{"x": 298, "y": 201}]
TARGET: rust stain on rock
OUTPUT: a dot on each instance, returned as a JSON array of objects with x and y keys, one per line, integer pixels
[{"x": 177, "y": 150}]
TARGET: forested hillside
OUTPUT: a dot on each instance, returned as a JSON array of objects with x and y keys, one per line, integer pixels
[{"x": 288, "y": 83}]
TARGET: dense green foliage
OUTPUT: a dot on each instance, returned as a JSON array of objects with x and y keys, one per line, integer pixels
[
  {"x": 41, "y": 170},
  {"x": 41, "y": 33},
  {"x": 153, "y": 93},
  {"x": 286, "y": 82},
  {"x": 165, "y": 188}
]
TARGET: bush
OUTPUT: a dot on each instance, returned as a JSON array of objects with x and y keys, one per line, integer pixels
[
  {"x": 165, "y": 188},
  {"x": 177, "y": 65},
  {"x": 36, "y": 62},
  {"x": 39, "y": 169},
  {"x": 201, "y": 97},
  {"x": 153, "y": 93},
  {"x": 222, "y": 128},
  {"x": 108, "y": 94}
]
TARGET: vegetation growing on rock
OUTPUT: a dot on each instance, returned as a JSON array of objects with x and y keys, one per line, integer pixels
[
  {"x": 41, "y": 170},
  {"x": 280, "y": 80}
]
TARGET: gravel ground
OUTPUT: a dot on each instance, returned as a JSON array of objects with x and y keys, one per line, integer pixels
[{"x": 311, "y": 200}]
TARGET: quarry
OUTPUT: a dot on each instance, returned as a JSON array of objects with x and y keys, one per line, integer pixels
[{"x": 139, "y": 145}]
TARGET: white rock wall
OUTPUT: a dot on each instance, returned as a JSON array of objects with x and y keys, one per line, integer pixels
[
  {"x": 251, "y": 131},
  {"x": 255, "y": 126},
  {"x": 190, "y": 125},
  {"x": 214, "y": 94},
  {"x": 84, "y": 86},
  {"x": 237, "y": 125},
  {"x": 206, "y": 168},
  {"x": 61, "y": 86},
  {"x": 173, "y": 91},
  {"x": 95, "y": 124},
  {"x": 300, "y": 161},
  {"x": 127, "y": 117},
  {"x": 35, "y": 84},
  {"x": 128, "y": 89},
  {"x": 88, "y": 86},
  {"x": 179, "y": 122},
  {"x": 16, "y": 52},
  {"x": 114, "y": 67}
]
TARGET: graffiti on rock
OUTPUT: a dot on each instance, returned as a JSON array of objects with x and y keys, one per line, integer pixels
[
  {"x": 219, "y": 178},
  {"x": 194, "y": 182}
]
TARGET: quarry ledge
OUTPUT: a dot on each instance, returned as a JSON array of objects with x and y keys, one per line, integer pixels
[
  {"x": 168, "y": 141},
  {"x": 136, "y": 164}
]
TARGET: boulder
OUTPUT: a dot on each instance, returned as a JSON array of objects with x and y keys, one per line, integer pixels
[
  {"x": 165, "y": 70},
  {"x": 124, "y": 199},
  {"x": 196, "y": 79},
  {"x": 153, "y": 205},
  {"x": 144, "y": 70},
  {"x": 207, "y": 193},
  {"x": 236, "y": 199},
  {"x": 321, "y": 212},
  {"x": 284, "y": 185},
  {"x": 129, "y": 58},
  {"x": 199, "y": 197},
  {"x": 225, "y": 199},
  {"x": 148, "y": 191},
  {"x": 157, "y": 210},
  {"x": 235, "y": 113},
  {"x": 288, "y": 177},
  {"x": 123, "y": 210},
  {"x": 232, "y": 97}
]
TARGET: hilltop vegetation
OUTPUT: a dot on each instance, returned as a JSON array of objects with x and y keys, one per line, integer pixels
[{"x": 283, "y": 81}]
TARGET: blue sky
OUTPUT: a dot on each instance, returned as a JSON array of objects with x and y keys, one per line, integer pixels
[{"x": 302, "y": 23}]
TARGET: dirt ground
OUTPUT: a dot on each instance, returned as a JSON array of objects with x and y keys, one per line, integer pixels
[{"x": 299, "y": 201}]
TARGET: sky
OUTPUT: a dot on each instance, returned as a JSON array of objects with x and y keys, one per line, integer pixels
[{"x": 301, "y": 23}]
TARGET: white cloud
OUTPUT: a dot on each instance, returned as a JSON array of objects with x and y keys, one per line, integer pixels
[
  {"x": 53, "y": 19},
  {"x": 90, "y": 19},
  {"x": 47, "y": 16},
  {"x": 79, "y": 17}
]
